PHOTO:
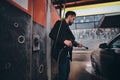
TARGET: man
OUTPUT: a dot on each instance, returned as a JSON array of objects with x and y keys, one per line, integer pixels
[{"x": 63, "y": 44}]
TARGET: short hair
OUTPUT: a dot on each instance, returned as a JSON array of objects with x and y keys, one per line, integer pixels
[{"x": 70, "y": 13}]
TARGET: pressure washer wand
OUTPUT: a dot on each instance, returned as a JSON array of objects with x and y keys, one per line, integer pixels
[{"x": 85, "y": 47}]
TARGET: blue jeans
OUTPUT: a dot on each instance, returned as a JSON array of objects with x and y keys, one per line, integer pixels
[{"x": 64, "y": 68}]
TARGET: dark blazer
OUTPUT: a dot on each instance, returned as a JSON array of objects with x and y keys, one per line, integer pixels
[{"x": 64, "y": 34}]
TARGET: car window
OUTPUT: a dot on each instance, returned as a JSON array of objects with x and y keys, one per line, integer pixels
[{"x": 116, "y": 44}]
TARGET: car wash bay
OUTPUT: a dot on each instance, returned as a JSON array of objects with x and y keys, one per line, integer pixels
[{"x": 25, "y": 45}]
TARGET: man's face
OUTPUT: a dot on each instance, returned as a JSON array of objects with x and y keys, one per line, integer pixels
[{"x": 71, "y": 19}]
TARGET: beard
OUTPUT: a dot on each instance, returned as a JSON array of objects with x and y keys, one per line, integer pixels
[{"x": 70, "y": 23}]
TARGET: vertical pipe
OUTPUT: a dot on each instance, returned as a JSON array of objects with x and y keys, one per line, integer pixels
[
  {"x": 30, "y": 44},
  {"x": 61, "y": 13},
  {"x": 48, "y": 47}
]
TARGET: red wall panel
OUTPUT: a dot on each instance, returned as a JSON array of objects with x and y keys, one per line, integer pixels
[
  {"x": 39, "y": 12},
  {"x": 54, "y": 16}
]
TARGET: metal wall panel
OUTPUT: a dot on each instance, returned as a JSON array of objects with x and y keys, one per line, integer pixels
[
  {"x": 39, "y": 67},
  {"x": 15, "y": 43},
  {"x": 22, "y": 45}
]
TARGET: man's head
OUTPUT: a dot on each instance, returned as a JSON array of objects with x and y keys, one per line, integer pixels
[{"x": 70, "y": 17}]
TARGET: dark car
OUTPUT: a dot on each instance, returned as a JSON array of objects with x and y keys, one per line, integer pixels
[{"x": 105, "y": 60}]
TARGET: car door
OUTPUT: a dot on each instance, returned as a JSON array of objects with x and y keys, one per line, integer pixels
[{"x": 110, "y": 59}]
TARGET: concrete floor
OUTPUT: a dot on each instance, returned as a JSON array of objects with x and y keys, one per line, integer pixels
[
  {"x": 81, "y": 60},
  {"x": 81, "y": 66},
  {"x": 78, "y": 71}
]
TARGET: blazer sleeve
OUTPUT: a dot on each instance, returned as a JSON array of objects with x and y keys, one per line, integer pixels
[{"x": 75, "y": 44}]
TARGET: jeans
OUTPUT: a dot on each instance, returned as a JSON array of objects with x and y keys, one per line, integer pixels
[{"x": 64, "y": 68}]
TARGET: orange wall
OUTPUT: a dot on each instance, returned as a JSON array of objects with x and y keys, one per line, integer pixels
[
  {"x": 54, "y": 15},
  {"x": 39, "y": 11}
]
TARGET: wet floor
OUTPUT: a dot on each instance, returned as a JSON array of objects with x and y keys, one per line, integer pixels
[
  {"x": 78, "y": 71},
  {"x": 81, "y": 67},
  {"x": 81, "y": 60}
]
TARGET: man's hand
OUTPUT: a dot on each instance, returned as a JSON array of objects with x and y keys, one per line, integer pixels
[
  {"x": 68, "y": 43},
  {"x": 79, "y": 45}
]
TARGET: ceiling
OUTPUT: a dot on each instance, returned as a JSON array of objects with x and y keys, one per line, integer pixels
[
  {"x": 72, "y": 3},
  {"x": 106, "y": 22}
]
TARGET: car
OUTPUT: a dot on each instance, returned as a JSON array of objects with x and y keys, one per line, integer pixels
[{"x": 105, "y": 59}]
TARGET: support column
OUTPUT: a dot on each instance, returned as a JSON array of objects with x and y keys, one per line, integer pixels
[{"x": 48, "y": 46}]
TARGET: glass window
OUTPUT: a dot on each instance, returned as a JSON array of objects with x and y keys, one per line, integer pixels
[
  {"x": 98, "y": 17},
  {"x": 79, "y": 19},
  {"x": 116, "y": 44},
  {"x": 89, "y": 19}
]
